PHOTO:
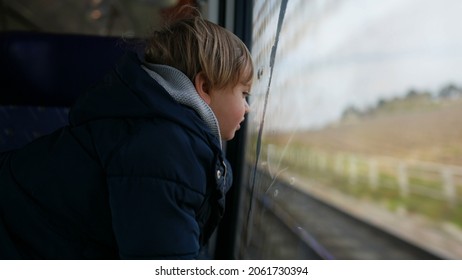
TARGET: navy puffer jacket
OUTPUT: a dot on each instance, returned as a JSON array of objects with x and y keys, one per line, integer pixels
[{"x": 135, "y": 175}]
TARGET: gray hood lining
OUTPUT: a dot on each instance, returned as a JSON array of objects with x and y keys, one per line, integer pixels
[{"x": 178, "y": 85}]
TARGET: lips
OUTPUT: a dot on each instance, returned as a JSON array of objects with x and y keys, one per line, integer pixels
[{"x": 239, "y": 125}]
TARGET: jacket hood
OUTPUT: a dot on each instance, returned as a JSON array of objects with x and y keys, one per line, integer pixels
[{"x": 128, "y": 91}]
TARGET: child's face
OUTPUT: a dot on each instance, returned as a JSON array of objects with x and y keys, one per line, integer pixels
[{"x": 230, "y": 106}]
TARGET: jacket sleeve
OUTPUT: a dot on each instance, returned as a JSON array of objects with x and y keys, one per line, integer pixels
[{"x": 154, "y": 218}]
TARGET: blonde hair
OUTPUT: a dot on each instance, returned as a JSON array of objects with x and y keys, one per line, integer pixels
[{"x": 193, "y": 45}]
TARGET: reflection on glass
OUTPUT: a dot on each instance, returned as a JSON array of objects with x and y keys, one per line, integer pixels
[
  {"x": 364, "y": 110},
  {"x": 96, "y": 17}
]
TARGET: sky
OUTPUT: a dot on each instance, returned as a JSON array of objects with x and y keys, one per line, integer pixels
[{"x": 334, "y": 54}]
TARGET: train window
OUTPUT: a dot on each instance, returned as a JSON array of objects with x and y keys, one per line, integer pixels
[
  {"x": 92, "y": 17},
  {"x": 354, "y": 147}
]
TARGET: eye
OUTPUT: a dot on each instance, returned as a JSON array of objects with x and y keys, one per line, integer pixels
[{"x": 245, "y": 94}]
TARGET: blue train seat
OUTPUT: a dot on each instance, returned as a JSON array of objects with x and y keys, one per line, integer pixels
[{"x": 42, "y": 74}]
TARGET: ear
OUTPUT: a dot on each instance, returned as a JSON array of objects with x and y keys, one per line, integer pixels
[{"x": 202, "y": 86}]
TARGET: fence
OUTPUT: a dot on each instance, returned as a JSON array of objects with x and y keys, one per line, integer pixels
[{"x": 408, "y": 177}]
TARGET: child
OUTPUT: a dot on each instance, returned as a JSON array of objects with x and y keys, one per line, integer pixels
[{"x": 139, "y": 173}]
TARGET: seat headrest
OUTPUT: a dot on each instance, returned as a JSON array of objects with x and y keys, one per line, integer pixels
[{"x": 53, "y": 69}]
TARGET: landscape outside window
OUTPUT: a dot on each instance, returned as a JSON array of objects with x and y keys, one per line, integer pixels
[{"x": 364, "y": 110}]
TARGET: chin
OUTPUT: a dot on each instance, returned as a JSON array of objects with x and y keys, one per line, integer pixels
[{"x": 228, "y": 136}]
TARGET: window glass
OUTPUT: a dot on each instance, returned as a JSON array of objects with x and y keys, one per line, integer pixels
[
  {"x": 362, "y": 109},
  {"x": 97, "y": 17}
]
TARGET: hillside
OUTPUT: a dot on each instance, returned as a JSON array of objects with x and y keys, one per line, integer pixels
[{"x": 431, "y": 132}]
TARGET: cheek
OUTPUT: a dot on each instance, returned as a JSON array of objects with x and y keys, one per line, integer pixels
[
  {"x": 230, "y": 113},
  {"x": 238, "y": 111},
  {"x": 230, "y": 119}
]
